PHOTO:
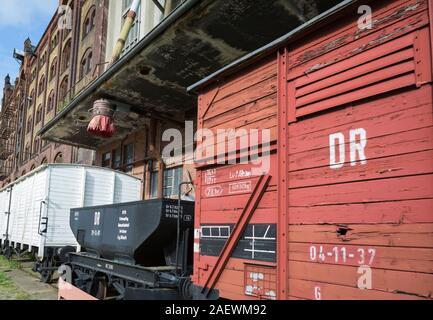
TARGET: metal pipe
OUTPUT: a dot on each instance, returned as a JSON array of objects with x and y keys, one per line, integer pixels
[
  {"x": 127, "y": 25},
  {"x": 178, "y": 223}
]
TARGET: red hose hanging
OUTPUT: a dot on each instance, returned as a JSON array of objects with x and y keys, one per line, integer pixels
[{"x": 102, "y": 123}]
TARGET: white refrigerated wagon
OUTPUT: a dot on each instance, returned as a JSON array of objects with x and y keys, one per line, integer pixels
[{"x": 35, "y": 209}]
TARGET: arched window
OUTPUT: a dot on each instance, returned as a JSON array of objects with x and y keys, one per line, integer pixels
[
  {"x": 66, "y": 56},
  {"x": 29, "y": 124},
  {"x": 32, "y": 98},
  {"x": 63, "y": 89},
  {"x": 44, "y": 161},
  {"x": 58, "y": 158},
  {"x": 50, "y": 105},
  {"x": 23, "y": 173},
  {"x": 27, "y": 152},
  {"x": 32, "y": 167},
  {"x": 41, "y": 85},
  {"x": 66, "y": 31},
  {"x": 33, "y": 75},
  {"x": 38, "y": 114},
  {"x": 42, "y": 59},
  {"x": 36, "y": 145},
  {"x": 53, "y": 69},
  {"x": 86, "y": 63},
  {"x": 89, "y": 21},
  {"x": 54, "y": 41}
]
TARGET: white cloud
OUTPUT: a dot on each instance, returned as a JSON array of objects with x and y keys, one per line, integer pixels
[{"x": 17, "y": 13}]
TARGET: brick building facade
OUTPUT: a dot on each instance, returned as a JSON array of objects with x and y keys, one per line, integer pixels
[{"x": 69, "y": 55}]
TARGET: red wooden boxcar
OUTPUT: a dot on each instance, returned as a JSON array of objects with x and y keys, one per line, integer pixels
[{"x": 346, "y": 209}]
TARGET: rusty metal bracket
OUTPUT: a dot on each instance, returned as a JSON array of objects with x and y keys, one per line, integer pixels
[{"x": 236, "y": 234}]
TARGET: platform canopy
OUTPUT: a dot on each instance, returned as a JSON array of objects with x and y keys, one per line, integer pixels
[{"x": 195, "y": 40}]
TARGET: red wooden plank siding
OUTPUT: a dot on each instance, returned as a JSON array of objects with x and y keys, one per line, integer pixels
[
  {"x": 247, "y": 101},
  {"x": 372, "y": 96},
  {"x": 354, "y": 228}
]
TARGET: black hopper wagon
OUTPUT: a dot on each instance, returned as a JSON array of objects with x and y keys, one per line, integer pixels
[{"x": 137, "y": 250}]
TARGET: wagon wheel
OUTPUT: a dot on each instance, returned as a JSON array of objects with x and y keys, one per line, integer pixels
[
  {"x": 47, "y": 275},
  {"x": 99, "y": 288}
]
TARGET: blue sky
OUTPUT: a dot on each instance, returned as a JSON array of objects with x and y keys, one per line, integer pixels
[{"x": 20, "y": 19}]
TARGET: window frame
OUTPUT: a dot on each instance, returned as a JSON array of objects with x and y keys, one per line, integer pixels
[
  {"x": 173, "y": 187},
  {"x": 104, "y": 163}
]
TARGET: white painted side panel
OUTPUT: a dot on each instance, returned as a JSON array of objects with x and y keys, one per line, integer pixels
[
  {"x": 64, "y": 192},
  {"x": 26, "y": 198},
  {"x": 60, "y": 188},
  {"x": 99, "y": 187},
  {"x": 127, "y": 190}
]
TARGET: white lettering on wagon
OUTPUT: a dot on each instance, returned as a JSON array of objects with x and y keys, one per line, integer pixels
[
  {"x": 240, "y": 187},
  {"x": 97, "y": 218},
  {"x": 210, "y": 176},
  {"x": 215, "y": 191},
  {"x": 123, "y": 226},
  {"x": 342, "y": 255},
  {"x": 337, "y": 148},
  {"x": 237, "y": 174}
]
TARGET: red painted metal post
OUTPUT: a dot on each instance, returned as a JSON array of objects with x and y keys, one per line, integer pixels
[
  {"x": 283, "y": 184},
  {"x": 237, "y": 232},
  {"x": 197, "y": 225}
]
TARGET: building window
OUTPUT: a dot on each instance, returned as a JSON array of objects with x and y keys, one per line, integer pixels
[
  {"x": 42, "y": 60},
  {"x": 44, "y": 161},
  {"x": 39, "y": 114},
  {"x": 53, "y": 69},
  {"x": 117, "y": 156},
  {"x": 128, "y": 157},
  {"x": 50, "y": 105},
  {"x": 66, "y": 56},
  {"x": 29, "y": 124},
  {"x": 106, "y": 160},
  {"x": 89, "y": 22},
  {"x": 33, "y": 75},
  {"x": 172, "y": 179},
  {"x": 134, "y": 33},
  {"x": 54, "y": 41},
  {"x": 63, "y": 89},
  {"x": 36, "y": 146},
  {"x": 126, "y": 4},
  {"x": 86, "y": 63},
  {"x": 154, "y": 175},
  {"x": 32, "y": 98},
  {"x": 58, "y": 158},
  {"x": 41, "y": 85},
  {"x": 66, "y": 31},
  {"x": 27, "y": 152}
]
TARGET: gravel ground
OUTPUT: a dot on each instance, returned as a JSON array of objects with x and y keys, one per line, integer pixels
[{"x": 18, "y": 282}]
